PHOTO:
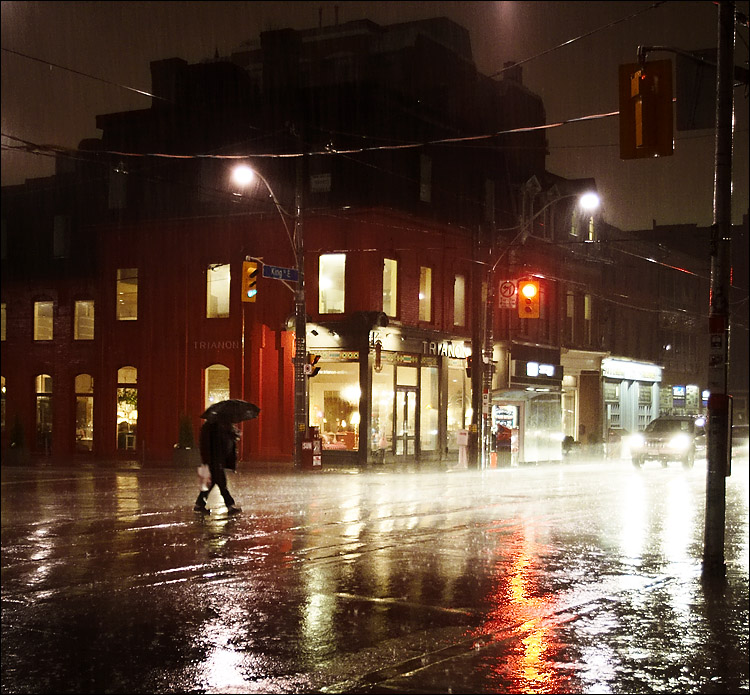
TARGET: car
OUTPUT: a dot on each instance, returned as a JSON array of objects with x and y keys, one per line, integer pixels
[{"x": 669, "y": 438}]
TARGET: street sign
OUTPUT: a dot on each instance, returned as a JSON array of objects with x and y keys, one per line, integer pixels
[
  {"x": 276, "y": 273},
  {"x": 507, "y": 299}
]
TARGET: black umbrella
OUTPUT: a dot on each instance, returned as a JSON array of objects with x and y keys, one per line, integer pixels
[{"x": 233, "y": 410}]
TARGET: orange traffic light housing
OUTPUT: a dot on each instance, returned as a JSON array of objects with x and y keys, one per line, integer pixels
[
  {"x": 249, "y": 281},
  {"x": 646, "y": 114},
  {"x": 528, "y": 299},
  {"x": 311, "y": 368}
]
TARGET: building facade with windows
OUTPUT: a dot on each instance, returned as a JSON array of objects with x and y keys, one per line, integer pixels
[{"x": 121, "y": 275}]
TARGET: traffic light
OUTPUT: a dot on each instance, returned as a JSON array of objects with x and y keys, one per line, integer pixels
[
  {"x": 646, "y": 121},
  {"x": 468, "y": 366},
  {"x": 249, "y": 281},
  {"x": 528, "y": 299},
  {"x": 311, "y": 368}
]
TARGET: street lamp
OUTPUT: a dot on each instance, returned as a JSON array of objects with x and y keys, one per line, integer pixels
[
  {"x": 587, "y": 202},
  {"x": 244, "y": 175}
]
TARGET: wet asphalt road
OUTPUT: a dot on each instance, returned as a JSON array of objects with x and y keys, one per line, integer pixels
[{"x": 570, "y": 578}]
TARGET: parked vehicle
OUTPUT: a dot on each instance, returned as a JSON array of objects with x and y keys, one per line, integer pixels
[{"x": 669, "y": 438}]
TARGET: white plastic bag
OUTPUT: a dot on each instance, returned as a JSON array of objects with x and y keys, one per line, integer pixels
[{"x": 204, "y": 475}]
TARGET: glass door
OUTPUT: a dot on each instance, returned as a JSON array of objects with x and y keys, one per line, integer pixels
[{"x": 406, "y": 420}]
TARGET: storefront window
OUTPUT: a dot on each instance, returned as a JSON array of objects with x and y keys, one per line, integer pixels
[
  {"x": 334, "y": 403},
  {"x": 44, "y": 413},
  {"x": 382, "y": 409},
  {"x": 429, "y": 410},
  {"x": 216, "y": 384},
  {"x": 84, "y": 386},
  {"x": 127, "y": 408},
  {"x": 459, "y": 401}
]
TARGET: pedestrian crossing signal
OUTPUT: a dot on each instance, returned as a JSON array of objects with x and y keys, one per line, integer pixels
[
  {"x": 311, "y": 368},
  {"x": 249, "y": 281}
]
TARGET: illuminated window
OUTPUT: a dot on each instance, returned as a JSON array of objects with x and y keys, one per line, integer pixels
[
  {"x": 334, "y": 404},
  {"x": 215, "y": 384},
  {"x": 588, "y": 324},
  {"x": 331, "y": 278},
  {"x": 43, "y": 320},
  {"x": 459, "y": 300},
  {"x": 83, "y": 326},
  {"x": 127, "y": 408},
  {"x": 425, "y": 294},
  {"x": 127, "y": 294},
  {"x": 429, "y": 409},
  {"x": 217, "y": 291},
  {"x": 84, "y": 386},
  {"x": 570, "y": 314},
  {"x": 390, "y": 285},
  {"x": 43, "y": 384}
]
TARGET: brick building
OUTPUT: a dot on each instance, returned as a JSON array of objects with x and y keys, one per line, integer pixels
[{"x": 122, "y": 311}]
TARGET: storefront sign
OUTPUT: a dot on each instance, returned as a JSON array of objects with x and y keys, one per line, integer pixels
[
  {"x": 630, "y": 371},
  {"x": 216, "y": 345},
  {"x": 446, "y": 348}
]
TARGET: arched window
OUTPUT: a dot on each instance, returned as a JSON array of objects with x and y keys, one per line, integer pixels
[
  {"x": 127, "y": 408},
  {"x": 84, "y": 385},
  {"x": 215, "y": 384},
  {"x": 43, "y": 388}
]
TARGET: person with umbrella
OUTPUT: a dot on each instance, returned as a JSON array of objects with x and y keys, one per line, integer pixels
[{"x": 218, "y": 447}]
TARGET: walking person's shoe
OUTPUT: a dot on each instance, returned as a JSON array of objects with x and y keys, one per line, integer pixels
[
  {"x": 233, "y": 509},
  {"x": 200, "y": 509}
]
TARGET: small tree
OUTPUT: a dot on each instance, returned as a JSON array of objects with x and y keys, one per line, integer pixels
[{"x": 185, "y": 438}]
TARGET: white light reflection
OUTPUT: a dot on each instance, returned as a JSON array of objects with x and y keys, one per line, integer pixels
[{"x": 633, "y": 518}]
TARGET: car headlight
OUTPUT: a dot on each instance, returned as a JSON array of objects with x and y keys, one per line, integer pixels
[
  {"x": 680, "y": 442},
  {"x": 636, "y": 441}
]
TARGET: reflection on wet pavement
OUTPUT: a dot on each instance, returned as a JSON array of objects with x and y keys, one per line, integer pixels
[{"x": 551, "y": 579}]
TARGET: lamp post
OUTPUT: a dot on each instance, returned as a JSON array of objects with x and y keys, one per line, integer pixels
[
  {"x": 587, "y": 202},
  {"x": 244, "y": 175}
]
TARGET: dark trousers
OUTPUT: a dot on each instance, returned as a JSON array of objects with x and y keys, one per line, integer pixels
[{"x": 219, "y": 478}]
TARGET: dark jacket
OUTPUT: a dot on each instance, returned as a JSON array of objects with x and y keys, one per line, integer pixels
[{"x": 218, "y": 445}]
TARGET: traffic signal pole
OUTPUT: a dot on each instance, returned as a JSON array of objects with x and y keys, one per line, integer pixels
[
  {"x": 300, "y": 322},
  {"x": 718, "y": 402}
]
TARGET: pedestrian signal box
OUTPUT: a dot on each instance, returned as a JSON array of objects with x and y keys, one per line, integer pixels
[
  {"x": 250, "y": 273},
  {"x": 528, "y": 299},
  {"x": 646, "y": 120},
  {"x": 312, "y": 368}
]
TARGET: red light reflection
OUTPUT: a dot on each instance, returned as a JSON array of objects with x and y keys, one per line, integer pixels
[{"x": 530, "y": 660}]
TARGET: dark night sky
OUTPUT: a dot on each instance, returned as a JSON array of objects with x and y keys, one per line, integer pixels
[{"x": 115, "y": 41}]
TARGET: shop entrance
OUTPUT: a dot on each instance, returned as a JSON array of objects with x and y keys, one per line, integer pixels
[{"x": 405, "y": 435}]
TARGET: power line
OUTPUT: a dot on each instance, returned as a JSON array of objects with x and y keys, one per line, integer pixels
[
  {"x": 84, "y": 74},
  {"x": 577, "y": 38}
]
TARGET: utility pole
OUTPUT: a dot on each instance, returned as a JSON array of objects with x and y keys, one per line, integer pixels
[
  {"x": 718, "y": 321},
  {"x": 300, "y": 320}
]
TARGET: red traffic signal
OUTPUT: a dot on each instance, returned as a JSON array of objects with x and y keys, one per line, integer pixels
[{"x": 528, "y": 299}]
